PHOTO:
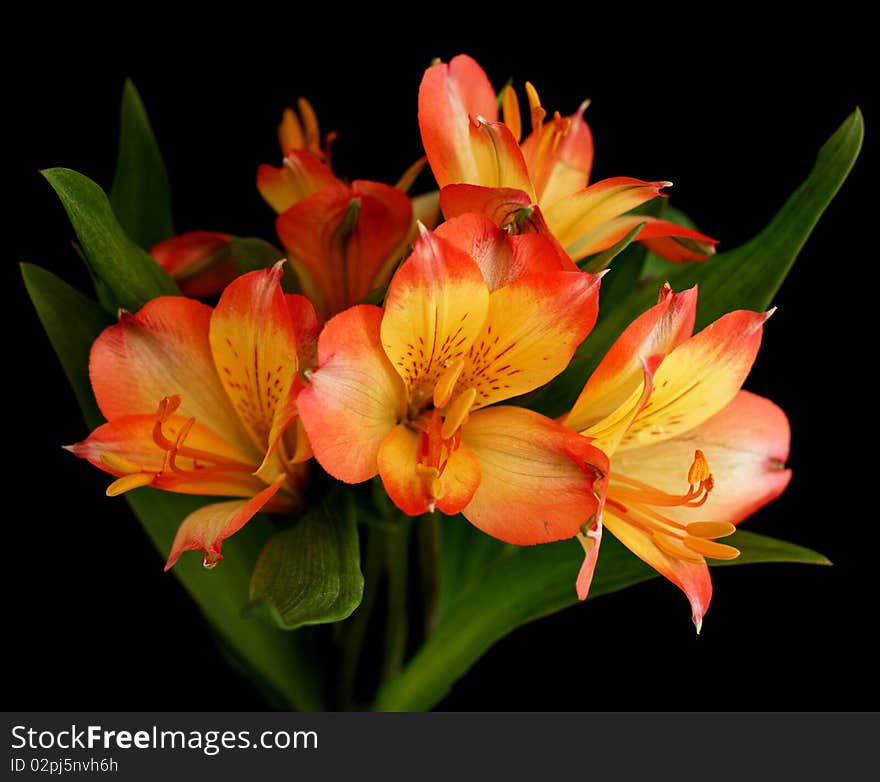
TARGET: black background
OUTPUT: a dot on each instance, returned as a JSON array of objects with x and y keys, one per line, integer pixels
[{"x": 730, "y": 109}]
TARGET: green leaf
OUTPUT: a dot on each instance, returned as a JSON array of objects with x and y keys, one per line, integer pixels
[
  {"x": 276, "y": 661},
  {"x": 73, "y": 322},
  {"x": 746, "y": 277},
  {"x": 310, "y": 574},
  {"x": 140, "y": 194},
  {"x": 130, "y": 275},
  {"x": 601, "y": 261},
  {"x": 509, "y": 590}
]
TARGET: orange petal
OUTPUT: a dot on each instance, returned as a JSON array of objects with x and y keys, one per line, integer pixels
[
  {"x": 691, "y": 577},
  {"x": 448, "y": 95},
  {"x": 254, "y": 345},
  {"x": 559, "y": 157},
  {"x": 591, "y": 541},
  {"x": 574, "y": 217},
  {"x": 126, "y": 446},
  {"x": 415, "y": 489},
  {"x": 746, "y": 446},
  {"x": 300, "y": 175},
  {"x": 698, "y": 378},
  {"x": 161, "y": 351},
  {"x": 355, "y": 398},
  {"x": 435, "y": 307},
  {"x": 533, "y": 327},
  {"x": 502, "y": 258},
  {"x": 619, "y": 378},
  {"x": 673, "y": 242},
  {"x": 199, "y": 261},
  {"x": 343, "y": 240},
  {"x": 207, "y": 528},
  {"x": 539, "y": 481}
]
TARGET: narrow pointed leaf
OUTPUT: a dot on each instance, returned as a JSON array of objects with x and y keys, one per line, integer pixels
[
  {"x": 130, "y": 275},
  {"x": 310, "y": 574},
  {"x": 746, "y": 277},
  {"x": 140, "y": 194},
  {"x": 509, "y": 591},
  {"x": 276, "y": 661}
]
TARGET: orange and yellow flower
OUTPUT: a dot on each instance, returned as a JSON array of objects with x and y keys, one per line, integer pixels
[
  {"x": 200, "y": 262},
  {"x": 203, "y": 401},
  {"x": 343, "y": 240},
  {"x": 472, "y": 318},
  {"x": 667, "y": 409},
  {"x": 540, "y": 184}
]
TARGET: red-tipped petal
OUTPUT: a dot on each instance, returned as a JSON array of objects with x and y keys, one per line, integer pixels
[
  {"x": 199, "y": 261},
  {"x": 539, "y": 481},
  {"x": 301, "y": 175},
  {"x": 207, "y": 528},
  {"x": 448, "y": 96},
  {"x": 355, "y": 398}
]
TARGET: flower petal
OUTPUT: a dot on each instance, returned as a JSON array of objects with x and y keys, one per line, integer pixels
[
  {"x": 435, "y": 307},
  {"x": 415, "y": 490},
  {"x": 448, "y": 96},
  {"x": 673, "y": 242},
  {"x": 501, "y": 205},
  {"x": 199, "y": 261},
  {"x": 525, "y": 459},
  {"x": 698, "y": 378},
  {"x": 533, "y": 328},
  {"x": 163, "y": 350},
  {"x": 621, "y": 372},
  {"x": 559, "y": 157},
  {"x": 355, "y": 398},
  {"x": 254, "y": 345},
  {"x": 498, "y": 158},
  {"x": 126, "y": 446},
  {"x": 342, "y": 239},
  {"x": 301, "y": 174},
  {"x": 207, "y": 528},
  {"x": 575, "y": 216},
  {"x": 502, "y": 258},
  {"x": 746, "y": 446},
  {"x": 691, "y": 577}
]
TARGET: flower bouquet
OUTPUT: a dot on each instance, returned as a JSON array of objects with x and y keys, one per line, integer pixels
[{"x": 374, "y": 444}]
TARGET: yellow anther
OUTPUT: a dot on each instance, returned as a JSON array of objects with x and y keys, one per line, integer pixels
[
  {"x": 510, "y": 112},
  {"x": 699, "y": 470},
  {"x": 119, "y": 463},
  {"x": 310, "y": 125},
  {"x": 457, "y": 412},
  {"x": 710, "y": 529},
  {"x": 673, "y": 548},
  {"x": 167, "y": 407},
  {"x": 537, "y": 112},
  {"x": 129, "y": 482},
  {"x": 446, "y": 384},
  {"x": 290, "y": 132},
  {"x": 431, "y": 478},
  {"x": 709, "y": 548}
]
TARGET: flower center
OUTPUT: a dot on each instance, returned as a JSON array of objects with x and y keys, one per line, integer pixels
[{"x": 637, "y": 503}]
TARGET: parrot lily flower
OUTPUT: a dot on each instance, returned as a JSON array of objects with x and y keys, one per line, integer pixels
[
  {"x": 540, "y": 184},
  {"x": 472, "y": 317},
  {"x": 199, "y": 262},
  {"x": 203, "y": 401},
  {"x": 691, "y": 454}
]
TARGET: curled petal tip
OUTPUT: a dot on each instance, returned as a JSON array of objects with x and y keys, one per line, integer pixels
[
  {"x": 423, "y": 231},
  {"x": 585, "y": 105},
  {"x": 698, "y": 623},
  {"x": 769, "y": 313},
  {"x": 665, "y": 184},
  {"x": 279, "y": 265},
  {"x": 69, "y": 448}
]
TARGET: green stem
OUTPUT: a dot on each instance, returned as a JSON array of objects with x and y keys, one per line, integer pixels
[
  {"x": 355, "y": 631},
  {"x": 396, "y": 622},
  {"x": 428, "y": 571}
]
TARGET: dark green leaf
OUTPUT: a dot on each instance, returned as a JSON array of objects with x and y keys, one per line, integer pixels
[
  {"x": 310, "y": 574},
  {"x": 511, "y": 589},
  {"x": 250, "y": 254},
  {"x": 746, "y": 277},
  {"x": 275, "y": 660},
  {"x": 131, "y": 276},
  {"x": 73, "y": 322},
  {"x": 140, "y": 194}
]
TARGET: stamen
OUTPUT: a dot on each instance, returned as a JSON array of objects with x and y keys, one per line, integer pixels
[
  {"x": 510, "y": 112},
  {"x": 457, "y": 412},
  {"x": 710, "y": 529},
  {"x": 537, "y": 112},
  {"x": 674, "y": 549},
  {"x": 129, "y": 482},
  {"x": 446, "y": 384},
  {"x": 709, "y": 548},
  {"x": 119, "y": 463},
  {"x": 699, "y": 470}
]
